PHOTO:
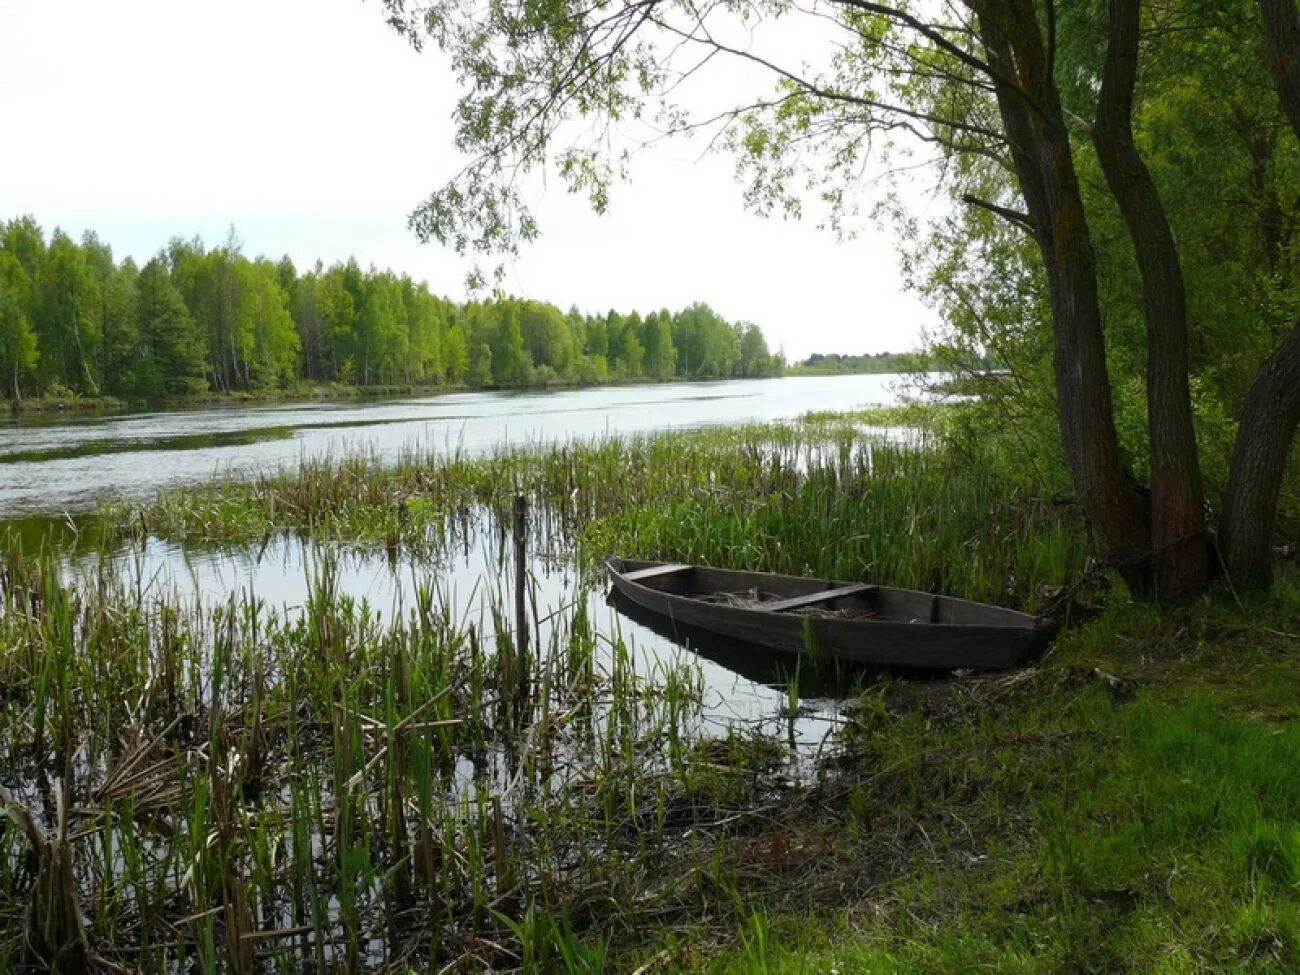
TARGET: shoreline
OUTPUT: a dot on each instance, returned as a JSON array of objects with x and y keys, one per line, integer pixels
[{"x": 46, "y": 406}]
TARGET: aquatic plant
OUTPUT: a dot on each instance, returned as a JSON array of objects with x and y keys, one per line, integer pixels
[
  {"x": 824, "y": 496},
  {"x": 245, "y": 786}
]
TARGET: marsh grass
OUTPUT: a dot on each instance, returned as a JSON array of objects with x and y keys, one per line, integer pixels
[
  {"x": 340, "y": 789},
  {"x": 824, "y": 496}
]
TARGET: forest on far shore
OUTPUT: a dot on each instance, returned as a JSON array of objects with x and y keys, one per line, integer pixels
[
  {"x": 836, "y": 364},
  {"x": 196, "y": 320}
]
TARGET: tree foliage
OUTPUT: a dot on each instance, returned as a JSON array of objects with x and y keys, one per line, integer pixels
[{"x": 1123, "y": 228}]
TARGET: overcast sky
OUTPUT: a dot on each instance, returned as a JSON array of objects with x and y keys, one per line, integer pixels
[{"x": 314, "y": 130}]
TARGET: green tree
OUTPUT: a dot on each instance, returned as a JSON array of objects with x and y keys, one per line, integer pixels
[
  {"x": 753, "y": 358},
  {"x": 657, "y": 340},
  {"x": 480, "y": 370},
  {"x": 339, "y": 316},
  {"x": 707, "y": 346},
  {"x": 18, "y": 352},
  {"x": 350, "y": 351},
  {"x": 267, "y": 330},
  {"x": 172, "y": 353},
  {"x": 396, "y": 361},
  {"x": 286, "y": 274},
  {"x": 309, "y": 320},
  {"x": 511, "y": 364},
  {"x": 426, "y": 322},
  {"x": 65, "y": 313},
  {"x": 24, "y": 239},
  {"x": 114, "y": 313},
  {"x": 546, "y": 337},
  {"x": 380, "y": 317},
  {"x": 595, "y": 337},
  {"x": 214, "y": 284},
  {"x": 258, "y": 323},
  {"x": 455, "y": 353},
  {"x": 625, "y": 350}
]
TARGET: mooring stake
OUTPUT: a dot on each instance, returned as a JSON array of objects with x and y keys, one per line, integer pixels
[{"x": 521, "y": 605}]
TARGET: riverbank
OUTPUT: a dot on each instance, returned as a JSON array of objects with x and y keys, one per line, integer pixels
[
  {"x": 310, "y": 393},
  {"x": 353, "y": 786},
  {"x": 1129, "y": 805},
  {"x": 315, "y": 393}
]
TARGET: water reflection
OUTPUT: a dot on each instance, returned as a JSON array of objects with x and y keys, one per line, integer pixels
[{"x": 473, "y": 577}]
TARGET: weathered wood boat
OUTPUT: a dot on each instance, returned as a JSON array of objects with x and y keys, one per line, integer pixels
[{"x": 850, "y": 621}]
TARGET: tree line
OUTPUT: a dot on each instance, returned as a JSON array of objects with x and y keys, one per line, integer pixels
[
  {"x": 869, "y": 363},
  {"x": 196, "y": 320}
]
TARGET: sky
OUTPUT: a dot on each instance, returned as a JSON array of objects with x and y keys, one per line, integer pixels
[{"x": 314, "y": 130}]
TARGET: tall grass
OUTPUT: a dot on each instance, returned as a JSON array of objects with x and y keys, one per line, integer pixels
[
  {"x": 334, "y": 789},
  {"x": 236, "y": 788},
  {"x": 822, "y": 496}
]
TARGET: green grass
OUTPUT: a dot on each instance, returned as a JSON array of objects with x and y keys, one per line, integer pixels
[
  {"x": 1059, "y": 821},
  {"x": 1170, "y": 844}
]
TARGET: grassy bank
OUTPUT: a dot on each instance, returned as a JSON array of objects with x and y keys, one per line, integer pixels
[
  {"x": 1129, "y": 806},
  {"x": 249, "y": 793}
]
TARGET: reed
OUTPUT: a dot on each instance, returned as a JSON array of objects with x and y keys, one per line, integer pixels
[
  {"x": 346, "y": 788},
  {"x": 245, "y": 788},
  {"x": 824, "y": 496}
]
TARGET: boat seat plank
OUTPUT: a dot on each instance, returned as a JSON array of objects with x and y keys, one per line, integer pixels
[
  {"x": 655, "y": 570},
  {"x": 813, "y": 598}
]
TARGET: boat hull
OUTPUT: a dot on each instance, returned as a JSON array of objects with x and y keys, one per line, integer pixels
[{"x": 973, "y": 636}]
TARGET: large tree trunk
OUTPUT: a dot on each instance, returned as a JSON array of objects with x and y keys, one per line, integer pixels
[
  {"x": 1281, "y": 22},
  {"x": 1040, "y": 148},
  {"x": 1178, "y": 541},
  {"x": 1272, "y": 412},
  {"x": 1259, "y": 458}
]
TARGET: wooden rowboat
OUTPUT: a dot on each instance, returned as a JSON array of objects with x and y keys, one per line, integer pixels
[{"x": 849, "y": 621}]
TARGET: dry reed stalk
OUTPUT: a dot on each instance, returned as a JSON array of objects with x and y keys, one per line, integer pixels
[{"x": 56, "y": 932}]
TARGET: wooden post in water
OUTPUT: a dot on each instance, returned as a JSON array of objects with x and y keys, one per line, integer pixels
[{"x": 521, "y": 604}]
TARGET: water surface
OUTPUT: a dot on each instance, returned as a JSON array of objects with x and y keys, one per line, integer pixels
[{"x": 69, "y": 464}]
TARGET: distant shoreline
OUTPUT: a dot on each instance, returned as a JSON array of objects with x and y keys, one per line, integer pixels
[{"x": 47, "y": 405}]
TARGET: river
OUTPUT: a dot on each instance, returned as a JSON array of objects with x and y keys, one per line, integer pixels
[{"x": 66, "y": 464}]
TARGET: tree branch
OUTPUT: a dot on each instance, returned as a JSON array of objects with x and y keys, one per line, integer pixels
[{"x": 1021, "y": 220}]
